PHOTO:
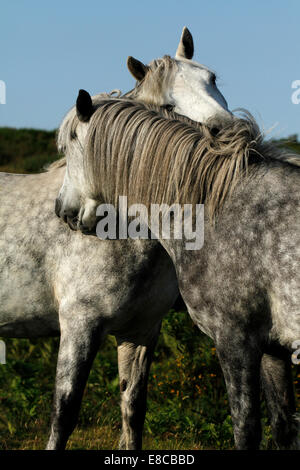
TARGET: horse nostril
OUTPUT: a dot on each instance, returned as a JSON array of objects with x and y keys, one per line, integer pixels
[
  {"x": 57, "y": 207},
  {"x": 68, "y": 214},
  {"x": 72, "y": 222},
  {"x": 215, "y": 131},
  {"x": 85, "y": 229}
]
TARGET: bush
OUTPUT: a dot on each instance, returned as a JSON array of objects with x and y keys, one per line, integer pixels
[{"x": 26, "y": 150}]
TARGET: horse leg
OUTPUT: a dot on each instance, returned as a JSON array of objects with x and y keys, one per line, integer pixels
[
  {"x": 79, "y": 342},
  {"x": 240, "y": 360},
  {"x": 278, "y": 390},
  {"x": 134, "y": 360}
]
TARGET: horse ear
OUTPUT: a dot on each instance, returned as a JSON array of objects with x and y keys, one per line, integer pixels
[
  {"x": 84, "y": 106},
  {"x": 186, "y": 45},
  {"x": 137, "y": 69}
]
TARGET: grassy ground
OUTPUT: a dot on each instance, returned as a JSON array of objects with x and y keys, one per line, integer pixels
[{"x": 187, "y": 401}]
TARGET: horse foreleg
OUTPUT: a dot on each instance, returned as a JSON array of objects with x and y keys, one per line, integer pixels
[
  {"x": 240, "y": 361},
  {"x": 79, "y": 342},
  {"x": 278, "y": 390},
  {"x": 134, "y": 360}
]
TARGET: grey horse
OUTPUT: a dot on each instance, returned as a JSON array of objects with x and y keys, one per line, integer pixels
[
  {"x": 54, "y": 281},
  {"x": 242, "y": 287}
]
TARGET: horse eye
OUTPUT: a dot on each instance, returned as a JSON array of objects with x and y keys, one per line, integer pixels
[
  {"x": 213, "y": 79},
  {"x": 169, "y": 107}
]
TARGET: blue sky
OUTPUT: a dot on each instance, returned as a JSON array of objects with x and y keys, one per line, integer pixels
[{"x": 50, "y": 49}]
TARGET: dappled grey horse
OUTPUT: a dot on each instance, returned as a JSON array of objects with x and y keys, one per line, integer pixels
[
  {"x": 242, "y": 287},
  {"x": 56, "y": 281}
]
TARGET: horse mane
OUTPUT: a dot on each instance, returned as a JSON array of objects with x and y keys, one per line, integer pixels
[
  {"x": 151, "y": 90},
  {"x": 155, "y": 156},
  {"x": 66, "y": 134},
  {"x": 61, "y": 162}
]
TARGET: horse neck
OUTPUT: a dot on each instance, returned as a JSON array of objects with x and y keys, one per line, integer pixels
[{"x": 256, "y": 208}]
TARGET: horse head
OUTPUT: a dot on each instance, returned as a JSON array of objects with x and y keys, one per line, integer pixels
[{"x": 181, "y": 84}]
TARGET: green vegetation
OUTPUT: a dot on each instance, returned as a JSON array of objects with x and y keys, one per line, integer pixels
[
  {"x": 187, "y": 401},
  {"x": 26, "y": 150}
]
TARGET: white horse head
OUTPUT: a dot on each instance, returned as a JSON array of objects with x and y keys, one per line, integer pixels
[{"x": 181, "y": 83}]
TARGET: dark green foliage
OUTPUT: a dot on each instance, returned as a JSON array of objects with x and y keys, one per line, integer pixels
[
  {"x": 26, "y": 150},
  {"x": 290, "y": 143}
]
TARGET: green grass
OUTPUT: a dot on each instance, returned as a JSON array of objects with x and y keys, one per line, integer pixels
[{"x": 187, "y": 401}]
